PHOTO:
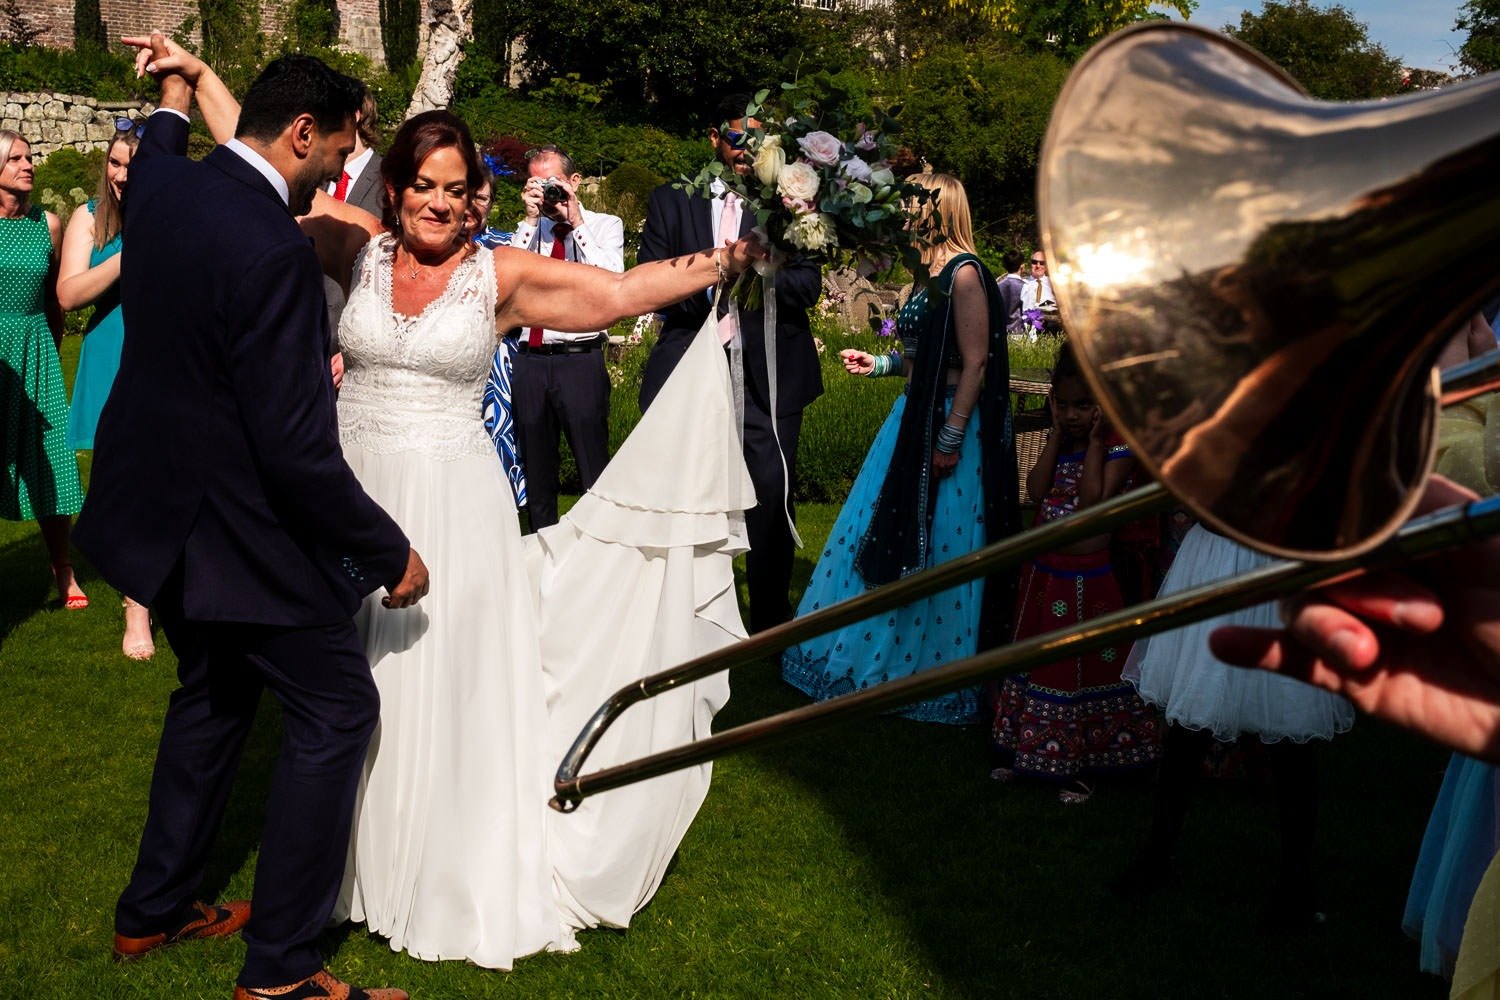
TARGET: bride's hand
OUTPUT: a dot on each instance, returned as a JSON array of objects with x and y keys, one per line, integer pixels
[{"x": 736, "y": 257}]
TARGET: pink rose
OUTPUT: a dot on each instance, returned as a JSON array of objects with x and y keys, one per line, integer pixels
[{"x": 821, "y": 148}]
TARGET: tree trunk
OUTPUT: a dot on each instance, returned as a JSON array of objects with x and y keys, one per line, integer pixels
[{"x": 451, "y": 25}]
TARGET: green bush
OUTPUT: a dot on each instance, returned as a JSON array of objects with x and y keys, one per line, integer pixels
[
  {"x": 67, "y": 179},
  {"x": 625, "y": 191},
  {"x": 92, "y": 71}
]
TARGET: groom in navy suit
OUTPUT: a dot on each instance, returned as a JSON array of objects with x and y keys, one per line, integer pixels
[
  {"x": 220, "y": 496},
  {"x": 677, "y": 223}
]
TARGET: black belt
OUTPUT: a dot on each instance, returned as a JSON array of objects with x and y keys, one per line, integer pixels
[{"x": 563, "y": 347}]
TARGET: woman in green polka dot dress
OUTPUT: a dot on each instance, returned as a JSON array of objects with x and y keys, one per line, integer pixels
[{"x": 41, "y": 473}]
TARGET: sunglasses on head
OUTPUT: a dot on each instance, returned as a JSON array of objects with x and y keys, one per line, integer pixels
[
  {"x": 124, "y": 125},
  {"x": 735, "y": 138}
]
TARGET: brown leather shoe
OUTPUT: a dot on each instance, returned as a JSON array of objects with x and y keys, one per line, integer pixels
[
  {"x": 218, "y": 920},
  {"x": 320, "y": 985}
]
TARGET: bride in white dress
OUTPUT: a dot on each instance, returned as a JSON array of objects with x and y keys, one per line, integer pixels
[{"x": 483, "y": 686}]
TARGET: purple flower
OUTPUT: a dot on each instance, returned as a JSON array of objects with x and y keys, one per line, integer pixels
[
  {"x": 1033, "y": 317},
  {"x": 887, "y": 328}
]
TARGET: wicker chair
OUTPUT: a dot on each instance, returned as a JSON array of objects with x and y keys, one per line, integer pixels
[{"x": 1031, "y": 425}]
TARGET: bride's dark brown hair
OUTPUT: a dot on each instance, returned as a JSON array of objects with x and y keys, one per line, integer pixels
[{"x": 416, "y": 140}]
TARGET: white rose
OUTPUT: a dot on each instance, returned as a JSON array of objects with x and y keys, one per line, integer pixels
[
  {"x": 812, "y": 232},
  {"x": 821, "y": 148},
  {"x": 798, "y": 181},
  {"x": 855, "y": 169},
  {"x": 769, "y": 160}
]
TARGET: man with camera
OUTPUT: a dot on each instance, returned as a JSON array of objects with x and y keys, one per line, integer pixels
[{"x": 560, "y": 383}]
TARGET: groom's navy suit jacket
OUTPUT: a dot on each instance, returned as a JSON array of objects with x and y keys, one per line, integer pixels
[
  {"x": 678, "y": 223},
  {"x": 217, "y": 454}
]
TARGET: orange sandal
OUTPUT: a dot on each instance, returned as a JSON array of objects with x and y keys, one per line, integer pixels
[{"x": 63, "y": 575}]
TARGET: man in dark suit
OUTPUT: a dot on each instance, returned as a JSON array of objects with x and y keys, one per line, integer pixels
[
  {"x": 222, "y": 499},
  {"x": 677, "y": 223},
  {"x": 360, "y": 183}
]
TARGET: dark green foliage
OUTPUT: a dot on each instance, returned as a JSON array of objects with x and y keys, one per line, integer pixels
[
  {"x": 1480, "y": 52},
  {"x": 232, "y": 41},
  {"x": 310, "y": 24},
  {"x": 981, "y": 116},
  {"x": 494, "y": 29},
  {"x": 88, "y": 26},
  {"x": 1323, "y": 48},
  {"x": 67, "y": 169},
  {"x": 596, "y": 142},
  {"x": 677, "y": 58},
  {"x": 399, "y": 23},
  {"x": 625, "y": 192},
  {"x": 92, "y": 71}
]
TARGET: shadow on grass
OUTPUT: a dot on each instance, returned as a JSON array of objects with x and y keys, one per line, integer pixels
[{"x": 1004, "y": 889}]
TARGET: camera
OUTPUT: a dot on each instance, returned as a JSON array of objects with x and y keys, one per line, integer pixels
[{"x": 553, "y": 193}]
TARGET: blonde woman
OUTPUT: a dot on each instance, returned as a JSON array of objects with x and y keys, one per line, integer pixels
[
  {"x": 943, "y": 464},
  {"x": 41, "y": 473},
  {"x": 90, "y": 276}
]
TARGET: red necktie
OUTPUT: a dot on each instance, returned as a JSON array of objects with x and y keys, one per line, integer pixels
[
  {"x": 560, "y": 233},
  {"x": 342, "y": 188}
]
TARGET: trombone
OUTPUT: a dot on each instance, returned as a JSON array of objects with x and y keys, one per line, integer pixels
[{"x": 1257, "y": 286}]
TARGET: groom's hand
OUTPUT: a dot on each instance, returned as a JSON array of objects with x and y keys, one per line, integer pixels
[{"x": 413, "y": 585}]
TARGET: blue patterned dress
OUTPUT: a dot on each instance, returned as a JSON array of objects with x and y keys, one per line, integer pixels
[
  {"x": 929, "y": 633},
  {"x": 99, "y": 360}
]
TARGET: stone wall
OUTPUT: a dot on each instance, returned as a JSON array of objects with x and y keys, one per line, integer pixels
[
  {"x": 54, "y": 121},
  {"x": 358, "y": 20}
]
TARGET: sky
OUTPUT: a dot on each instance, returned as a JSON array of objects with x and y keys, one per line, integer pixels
[{"x": 1418, "y": 32}]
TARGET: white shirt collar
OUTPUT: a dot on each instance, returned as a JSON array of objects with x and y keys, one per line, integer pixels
[
  {"x": 263, "y": 166},
  {"x": 356, "y": 166}
]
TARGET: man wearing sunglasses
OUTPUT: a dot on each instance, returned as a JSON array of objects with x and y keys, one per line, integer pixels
[
  {"x": 1037, "y": 292},
  {"x": 678, "y": 223}
]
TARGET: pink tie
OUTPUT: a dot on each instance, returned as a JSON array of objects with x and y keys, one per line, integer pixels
[{"x": 729, "y": 229}]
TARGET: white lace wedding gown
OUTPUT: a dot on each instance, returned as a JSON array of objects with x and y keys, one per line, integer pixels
[{"x": 486, "y": 682}]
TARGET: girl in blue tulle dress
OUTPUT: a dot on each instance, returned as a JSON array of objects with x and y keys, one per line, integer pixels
[{"x": 938, "y": 482}]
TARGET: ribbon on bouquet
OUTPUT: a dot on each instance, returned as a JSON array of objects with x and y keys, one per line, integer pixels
[{"x": 767, "y": 269}]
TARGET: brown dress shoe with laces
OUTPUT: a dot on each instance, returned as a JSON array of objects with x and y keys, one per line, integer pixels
[
  {"x": 207, "y": 921},
  {"x": 320, "y": 985}
]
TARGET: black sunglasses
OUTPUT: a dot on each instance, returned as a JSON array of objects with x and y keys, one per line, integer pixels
[
  {"x": 1041, "y": 262},
  {"x": 126, "y": 125}
]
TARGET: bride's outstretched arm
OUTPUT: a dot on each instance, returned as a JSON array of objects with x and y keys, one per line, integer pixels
[{"x": 532, "y": 290}]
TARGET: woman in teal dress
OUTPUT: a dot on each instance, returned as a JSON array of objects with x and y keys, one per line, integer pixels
[
  {"x": 41, "y": 473},
  {"x": 939, "y": 482},
  {"x": 90, "y": 276}
]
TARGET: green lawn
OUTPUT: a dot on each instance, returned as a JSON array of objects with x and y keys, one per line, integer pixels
[{"x": 873, "y": 861}]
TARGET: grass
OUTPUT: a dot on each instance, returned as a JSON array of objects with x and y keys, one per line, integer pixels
[{"x": 876, "y": 860}]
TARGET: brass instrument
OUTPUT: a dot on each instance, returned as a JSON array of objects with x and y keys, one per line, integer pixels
[{"x": 1258, "y": 285}]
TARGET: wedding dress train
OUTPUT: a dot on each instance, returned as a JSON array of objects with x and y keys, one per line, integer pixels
[{"x": 486, "y": 682}]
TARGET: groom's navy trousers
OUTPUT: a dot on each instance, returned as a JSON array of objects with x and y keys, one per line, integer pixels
[{"x": 329, "y": 705}]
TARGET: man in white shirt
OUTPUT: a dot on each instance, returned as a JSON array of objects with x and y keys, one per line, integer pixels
[
  {"x": 361, "y": 184},
  {"x": 560, "y": 382},
  {"x": 1037, "y": 292}
]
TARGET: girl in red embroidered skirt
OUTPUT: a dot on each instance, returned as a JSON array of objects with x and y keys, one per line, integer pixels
[{"x": 1068, "y": 721}]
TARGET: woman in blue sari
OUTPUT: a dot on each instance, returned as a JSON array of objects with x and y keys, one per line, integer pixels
[{"x": 939, "y": 481}]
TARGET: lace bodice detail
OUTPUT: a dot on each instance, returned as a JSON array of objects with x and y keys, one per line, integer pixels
[{"x": 415, "y": 383}]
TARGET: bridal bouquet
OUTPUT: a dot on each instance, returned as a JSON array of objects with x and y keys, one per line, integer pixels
[{"x": 822, "y": 187}]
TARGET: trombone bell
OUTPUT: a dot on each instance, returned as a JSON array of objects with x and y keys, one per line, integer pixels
[{"x": 1258, "y": 283}]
